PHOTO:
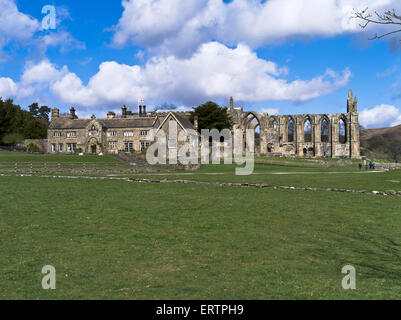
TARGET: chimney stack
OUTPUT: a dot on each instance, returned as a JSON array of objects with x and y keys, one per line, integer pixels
[
  {"x": 111, "y": 115},
  {"x": 55, "y": 113},
  {"x": 140, "y": 111},
  {"x": 144, "y": 111},
  {"x": 124, "y": 111},
  {"x": 72, "y": 113},
  {"x": 196, "y": 123}
]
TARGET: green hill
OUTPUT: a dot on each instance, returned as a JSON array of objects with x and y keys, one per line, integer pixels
[{"x": 384, "y": 143}]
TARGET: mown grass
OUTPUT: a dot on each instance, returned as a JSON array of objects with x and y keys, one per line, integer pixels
[
  {"x": 303, "y": 172},
  {"x": 120, "y": 240}
]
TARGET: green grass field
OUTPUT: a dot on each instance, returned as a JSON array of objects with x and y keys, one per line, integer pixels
[{"x": 121, "y": 240}]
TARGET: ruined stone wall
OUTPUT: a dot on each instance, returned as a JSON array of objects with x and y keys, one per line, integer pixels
[{"x": 275, "y": 139}]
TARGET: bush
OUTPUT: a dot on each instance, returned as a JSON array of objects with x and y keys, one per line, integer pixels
[
  {"x": 32, "y": 147},
  {"x": 12, "y": 139}
]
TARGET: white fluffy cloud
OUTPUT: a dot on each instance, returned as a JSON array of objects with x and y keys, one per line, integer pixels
[
  {"x": 213, "y": 72},
  {"x": 62, "y": 39},
  {"x": 271, "y": 111},
  {"x": 380, "y": 116},
  {"x": 179, "y": 27},
  {"x": 15, "y": 25},
  {"x": 8, "y": 88}
]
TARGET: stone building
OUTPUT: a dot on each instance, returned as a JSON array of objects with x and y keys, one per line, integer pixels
[
  {"x": 315, "y": 135},
  {"x": 127, "y": 132}
]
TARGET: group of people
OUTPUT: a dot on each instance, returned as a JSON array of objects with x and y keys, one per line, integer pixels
[{"x": 368, "y": 165}]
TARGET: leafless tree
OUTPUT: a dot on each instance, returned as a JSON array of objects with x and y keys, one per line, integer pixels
[{"x": 389, "y": 17}]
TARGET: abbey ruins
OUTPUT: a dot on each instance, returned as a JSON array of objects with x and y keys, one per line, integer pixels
[{"x": 315, "y": 135}]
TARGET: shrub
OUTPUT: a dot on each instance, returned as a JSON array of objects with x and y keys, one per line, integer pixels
[
  {"x": 32, "y": 147},
  {"x": 12, "y": 139}
]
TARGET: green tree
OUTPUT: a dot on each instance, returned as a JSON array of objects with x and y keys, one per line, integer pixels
[
  {"x": 34, "y": 129},
  {"x": 39, "y": 113},
  {"x": 212, "y": 116},
  {"x": 11, "y": 139},
  {"x": 17, "y": 124}
]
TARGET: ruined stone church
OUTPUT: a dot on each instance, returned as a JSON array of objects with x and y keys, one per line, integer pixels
[{"x": 316, "y": 135}]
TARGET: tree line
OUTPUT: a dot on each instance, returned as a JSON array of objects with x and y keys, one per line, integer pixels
[{"x": 17, "y": 124}]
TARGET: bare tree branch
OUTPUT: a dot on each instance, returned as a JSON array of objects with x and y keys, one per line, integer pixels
[{"x": 389, "y": 17}]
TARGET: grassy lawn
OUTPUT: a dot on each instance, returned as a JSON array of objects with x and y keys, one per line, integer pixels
[
  {"x": 7, "y": 156},
  {"x": 120, "y": 240}
]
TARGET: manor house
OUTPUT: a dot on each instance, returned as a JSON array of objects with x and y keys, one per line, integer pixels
[{"x": 127, "y": 132}]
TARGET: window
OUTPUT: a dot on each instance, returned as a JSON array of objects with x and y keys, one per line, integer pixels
[
  {"x": 128, "y": 146},
  {"x": 113, "y": 145},
  {"x": 53, "y": 147},
  {"x": 112, "y": 134},
  {"x": 144, "y": 133},
  {"x": 308, "y": 131},
  {"x": 128, "y": 133},
  {"x": 57, "y": 134},
  {"x": 325, "y": 131},
  {"x": 172, "y": 143},
  {"x": 71, "y": 134},
  {"x": 274, "y": 124},
  {"x": 71, "y": 147},
  {"x": 342, "y": 131},
  {"x": 144, "y": 145},
  {"x": 290, "y": 130},
  {"x": 60, "y": 147}
]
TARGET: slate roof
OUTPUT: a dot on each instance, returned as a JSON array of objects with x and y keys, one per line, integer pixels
[
  {"x": 127, "y": 123},
  {"x": 116, "y": 123},
  {"x": 184, "y": 122},
  {"x": 67, "y": 123}
]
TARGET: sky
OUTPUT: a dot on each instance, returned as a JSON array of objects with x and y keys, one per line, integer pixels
[{"x": 274, "y": 56}]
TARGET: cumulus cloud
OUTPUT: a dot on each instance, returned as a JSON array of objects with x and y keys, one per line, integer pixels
[
  {"x": 8, "y": 88},
  {"x": 180, "y": 27},
  {"x": 271, "y": 111},
  {"x": 18, "y": 27},
  {"x": 380, "y": 116},
  {"x": 63, "y": 39},
  {"x": 214, "y": 72},
  {"x": 15, "y": 25}
]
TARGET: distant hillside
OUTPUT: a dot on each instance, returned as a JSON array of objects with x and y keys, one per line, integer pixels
[{"x": 382, "y": 143}]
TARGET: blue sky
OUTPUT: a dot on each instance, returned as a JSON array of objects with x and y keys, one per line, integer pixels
[{"x": 275, "y": 56}]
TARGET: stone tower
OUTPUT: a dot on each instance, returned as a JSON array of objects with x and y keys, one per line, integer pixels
[
  {"x": 352, "y": 103},
  {"x": 231, "y": 104}
]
